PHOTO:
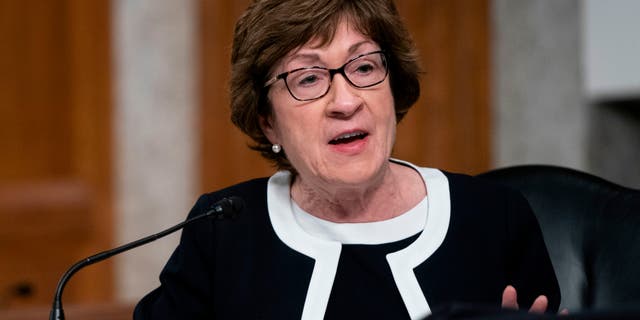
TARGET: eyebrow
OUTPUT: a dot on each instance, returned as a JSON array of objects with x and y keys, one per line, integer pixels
[
  {"x": 314, "y": 56},
  {"x": 357, "y": 45}
]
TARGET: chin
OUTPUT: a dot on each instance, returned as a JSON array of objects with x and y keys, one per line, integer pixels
[{"x": 357, "y": 174}]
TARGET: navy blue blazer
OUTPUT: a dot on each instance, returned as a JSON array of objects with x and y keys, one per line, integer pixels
[{"x": 258, "y": 266}]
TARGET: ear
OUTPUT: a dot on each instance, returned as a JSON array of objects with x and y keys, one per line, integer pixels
[{"x": 266, "y": 124}]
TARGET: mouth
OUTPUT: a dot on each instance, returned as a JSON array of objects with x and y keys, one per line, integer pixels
[{"x": 349, "y": 137}]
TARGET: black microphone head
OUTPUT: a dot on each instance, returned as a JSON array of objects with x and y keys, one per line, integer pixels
[
  {"x": 227, "y": 207},
  {"x": 237, "y": 204}
]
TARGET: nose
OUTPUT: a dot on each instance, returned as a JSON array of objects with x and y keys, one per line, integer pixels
[{"x": 344, "y": 99}]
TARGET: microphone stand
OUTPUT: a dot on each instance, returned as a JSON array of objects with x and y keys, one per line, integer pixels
[{"x": 220, "y": 210}]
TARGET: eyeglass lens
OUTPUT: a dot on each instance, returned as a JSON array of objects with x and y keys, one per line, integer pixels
[{"x": 314, "y": 82}]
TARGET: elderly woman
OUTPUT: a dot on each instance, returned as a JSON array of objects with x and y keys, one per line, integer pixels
[{"x": 342, "y": 230}]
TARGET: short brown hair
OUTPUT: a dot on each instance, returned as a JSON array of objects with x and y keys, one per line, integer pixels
[{"x": 270, "y": 29}]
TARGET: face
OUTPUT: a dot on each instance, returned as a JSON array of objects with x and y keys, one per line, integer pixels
[{"x": 344, "y": 138}]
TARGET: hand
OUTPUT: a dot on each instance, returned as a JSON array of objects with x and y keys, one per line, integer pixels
[{"x": 510, "y": 301}]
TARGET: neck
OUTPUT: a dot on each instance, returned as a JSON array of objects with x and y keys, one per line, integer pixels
[{"x": 378, "y": 199}]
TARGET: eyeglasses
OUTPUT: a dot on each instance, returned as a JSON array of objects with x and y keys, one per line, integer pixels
[{"x": 310, "y": 83}]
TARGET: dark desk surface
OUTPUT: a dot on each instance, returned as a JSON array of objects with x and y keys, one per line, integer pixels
[
  {"x": 72, "y": 312},
  {"x": 467, "y": 312}
]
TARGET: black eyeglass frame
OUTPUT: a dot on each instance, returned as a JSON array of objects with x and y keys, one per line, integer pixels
[{"x": 332, "y": 72}]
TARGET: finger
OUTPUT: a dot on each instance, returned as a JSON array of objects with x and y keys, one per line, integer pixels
[
  {"x": 564, "y": 312},
  {"x": 510, "y": 298},
  {"x": 539, "y": 305}
]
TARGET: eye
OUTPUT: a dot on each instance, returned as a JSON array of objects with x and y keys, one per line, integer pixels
[
  {"x": 365, "y": 68},
  {"x": 361, "y": 69},
  {"x": 307, "y": 78}
]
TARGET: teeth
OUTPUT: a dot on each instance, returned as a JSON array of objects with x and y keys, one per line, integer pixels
[{"x": 350, "y": 135}]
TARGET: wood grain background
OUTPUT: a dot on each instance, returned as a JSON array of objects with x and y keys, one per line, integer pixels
[{"x": 56, "y": 163}]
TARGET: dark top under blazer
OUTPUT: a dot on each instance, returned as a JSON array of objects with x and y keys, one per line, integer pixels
[{"x": 240, "y": 268}]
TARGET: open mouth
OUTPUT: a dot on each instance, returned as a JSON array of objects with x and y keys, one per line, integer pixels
[{"x": 349, "y": 137}]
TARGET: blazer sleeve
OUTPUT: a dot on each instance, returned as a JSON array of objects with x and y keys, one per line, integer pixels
[
  {"x": 185, "y": 290},
  {"x": 530, "y": 269}
]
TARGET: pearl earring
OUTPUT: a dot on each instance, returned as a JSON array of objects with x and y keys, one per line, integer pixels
[{"x": 276, "y": 148}]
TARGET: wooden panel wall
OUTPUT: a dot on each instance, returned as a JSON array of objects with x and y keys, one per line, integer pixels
[
  {"x": 448, "y": 128},
  {"x": 225, "y": 158},
  {"x": 55, "y": 108},
  {"x": 55, "y": 168}
]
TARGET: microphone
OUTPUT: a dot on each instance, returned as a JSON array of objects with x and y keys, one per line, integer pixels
[{"x": 225, "y": 208}]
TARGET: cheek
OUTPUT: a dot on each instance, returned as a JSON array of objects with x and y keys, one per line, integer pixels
[
  {"x": 296, "y": 129},
  {"x": 389, "y": 117},
  {"x": 388, "y": 107},
  {"x": 278, "y": 115}
]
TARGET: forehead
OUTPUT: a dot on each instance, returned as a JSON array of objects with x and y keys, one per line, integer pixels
[{"x": 344, "y": 43}]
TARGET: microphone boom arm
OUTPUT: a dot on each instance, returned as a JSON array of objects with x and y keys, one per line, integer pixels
[{"x": 218, "y": 210}]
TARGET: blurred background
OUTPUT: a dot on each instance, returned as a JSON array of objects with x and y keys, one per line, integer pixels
[{"x": 114, "y": 117}]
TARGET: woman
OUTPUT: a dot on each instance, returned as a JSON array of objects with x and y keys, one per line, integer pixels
[{"x": 343, "y": 230}]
